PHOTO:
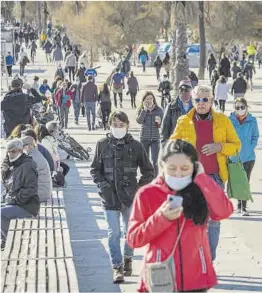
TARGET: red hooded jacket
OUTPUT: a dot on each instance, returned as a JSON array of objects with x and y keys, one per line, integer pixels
[
  {"x": 147, "y": 226},
  {"x": 58, "y": 97}
]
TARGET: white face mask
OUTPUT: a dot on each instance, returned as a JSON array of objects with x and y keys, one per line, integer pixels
[
  {"x": 118, "y": 132},
  {"x": 15, "y": 158},
  {"x": 178, "y": 183},
  {"x": 240, "y": 112}
]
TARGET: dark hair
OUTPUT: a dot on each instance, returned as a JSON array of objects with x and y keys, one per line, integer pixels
[
  {"x": 147, "y": 93},
  {"x": 41, "y": 131},
  {"x": 194, "y": 203},
  {"x": 222, "y": 79},
  {"x": 105, "y": 89},
  {"x": 30, "y": 132},
  {"x": 241, "y": 100},
  {"x": 122, "y": 116},
  {"x": 45, "y": 81},
  {"x": 89, "y": 77}
]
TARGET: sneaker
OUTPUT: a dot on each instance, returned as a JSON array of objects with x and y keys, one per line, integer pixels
[
  {"x": 118, "y": 275},
  {"x": 245, "y": 213},
  {"x": 128, "y": 266},
  {"x": 121, "y": 106}
]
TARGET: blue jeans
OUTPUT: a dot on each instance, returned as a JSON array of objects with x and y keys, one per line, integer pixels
[
  {"x": 90, "y": 107},
  {"x": 10, "y": 212},
  {"x": 76, "y": 106},
  {"x": 114, "y": 235},
  {"x": 214, "y": 226}
]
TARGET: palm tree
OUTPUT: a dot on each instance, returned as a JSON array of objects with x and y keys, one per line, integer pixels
[
  {"x": 181, "y": 68},
  {"x": 202, "y": 36},
  {"x": 22, "y": 5}
]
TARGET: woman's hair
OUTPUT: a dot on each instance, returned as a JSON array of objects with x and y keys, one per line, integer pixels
[
  {"x": 45, "y": 81},
  {"x": 241, "y": 100},
  {"x": 41, "y": 132},
  {"x": 194, "y": 203},
  {"x": 105, "y": 89},
  {"x": 30, "y": 132},
  {"x": 222, "y": 79},
  {"x": 16, "y": 132},
  {"x": 147, "y": 93},
  {"x": 122, "y": 116}
]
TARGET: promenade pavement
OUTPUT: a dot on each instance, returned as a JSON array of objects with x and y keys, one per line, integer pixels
[{"x": 239, "y": 255}]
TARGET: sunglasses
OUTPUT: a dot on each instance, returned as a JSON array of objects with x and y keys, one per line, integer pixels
[
  {"x": 241, "y": 107},
  {"x": 203, "y": 100}
]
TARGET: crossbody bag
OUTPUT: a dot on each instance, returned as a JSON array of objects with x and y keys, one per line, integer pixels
[{"x": 160, "y": 275}]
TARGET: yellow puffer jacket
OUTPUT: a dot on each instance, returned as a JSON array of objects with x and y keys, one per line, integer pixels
[
  {"x": 223, "y": 132},
  {"x": 43, "y": 37}
]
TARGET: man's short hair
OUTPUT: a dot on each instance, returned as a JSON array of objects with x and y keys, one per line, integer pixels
[
  {"x": 122, "y": 116},
  {"x": 202, "y": 89},
  {"x": 239, "y": 74},
  {"x": 29, "y": 132},
  {"x": 14, "y": 143},
  {"x": 51, "y": 125}
]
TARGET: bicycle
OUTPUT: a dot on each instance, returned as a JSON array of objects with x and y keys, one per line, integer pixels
[{"x": 72, "y": 147}]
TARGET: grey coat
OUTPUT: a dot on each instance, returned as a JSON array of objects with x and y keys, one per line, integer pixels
[
  {"x": 44, "y": 175},
  {"x": 70, "y": 60},
  {"x": 149, "y": 129},
  {"x": 57, "y": 54}
]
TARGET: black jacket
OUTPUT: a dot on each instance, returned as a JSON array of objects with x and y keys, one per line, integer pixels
[
  {"x": 16, "y": 108},
  {"x": 239, "y": 86},
  {"x": 20, "y": 181},
  {"x": 114, "y": 170},
  {"x": 81, "y": 74}
]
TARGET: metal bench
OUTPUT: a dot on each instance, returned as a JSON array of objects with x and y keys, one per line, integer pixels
[{"x": 38, "y": 255}]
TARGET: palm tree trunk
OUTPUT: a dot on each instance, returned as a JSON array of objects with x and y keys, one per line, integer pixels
[
  {"x": 202, "y": 36},
  {"x": 181, "y": 69},
  {"x": 22, "y": 4},
  {"x": 38, "y": 3}
]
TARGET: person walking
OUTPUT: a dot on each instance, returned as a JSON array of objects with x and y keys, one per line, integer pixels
[
  {"x": 246, "y": 126},
  {"x": 177, "y": 231},
  {"x": 215, "y": 139},
  {"x": 158, "y": 65},
  {"x": 235, "y": 70},
  {"x": 224, "y": 68},
  {"x": 143, "y": 57},
  {"x": 118, "y": 86},
  {"x": 133, "y": 88},
  {"x": 63, "y": 97},
  {"x": 76, "y": 91},
  {"x": 89, "y": 97},
  {"x": 19, "y": 177},
  {"x": 83, "y": 59},
  {"x": 60, "y": 72},
  {"x": 248, "y": 71},
  {"x": 178, "y": 107},
  {"x": 150, "y": 116},
  {"x": 221, "y": 93},
  {"x": 9, "y": 61},
  {"x": 57, "y": 56},
  {"x": 239, "y": 86},
  {"x": 48, "y": 49},
  {"x": 23, "y": 61},
  {"x": 33, "y": 48},
  {"x": 70, "y": 64},
  {"x": 81, "y": 72},
  {"x": 211, "y": 64},
  {"x": 114, "y": 170},
  {"x": 105, "y": 104},
  {"x": 167, "y": 64}
]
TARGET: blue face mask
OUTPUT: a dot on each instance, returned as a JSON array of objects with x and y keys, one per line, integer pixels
[{"x": 178, "y": 183}]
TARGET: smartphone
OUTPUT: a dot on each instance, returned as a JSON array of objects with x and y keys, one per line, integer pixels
[{"x": 175, "y": 201}]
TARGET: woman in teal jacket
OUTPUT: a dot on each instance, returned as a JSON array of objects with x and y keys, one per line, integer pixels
[{"x": 247, "y": 129}]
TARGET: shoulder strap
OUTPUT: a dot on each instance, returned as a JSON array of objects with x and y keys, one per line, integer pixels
[{"x": 177, "y": 240}]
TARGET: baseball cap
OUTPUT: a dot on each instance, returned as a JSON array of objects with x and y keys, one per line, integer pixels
[{"x": 185, "y": 84}]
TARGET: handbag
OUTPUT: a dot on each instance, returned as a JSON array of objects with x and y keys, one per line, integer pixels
[
  {"x": 58, "y": 179},
  {"x": 160, "y": 276},
  {"x": 238, "y": 186}
]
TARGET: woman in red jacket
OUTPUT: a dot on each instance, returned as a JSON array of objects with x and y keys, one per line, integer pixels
[{"x": 153, "y": 221}]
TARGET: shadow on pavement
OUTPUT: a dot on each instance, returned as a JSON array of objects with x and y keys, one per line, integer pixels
[
  {"x": 238, "y": 287},
  {"x": 30, "y": 70},
  {"x": 90, "y": 257},
  {"x": 247, "y": 218}
]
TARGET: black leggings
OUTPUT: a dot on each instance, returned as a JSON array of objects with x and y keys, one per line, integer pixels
[
  {"x": 71, "y": 73},
  {"x": 222, "y": 104},
  {"x": 120, "y": 97},
  {"x": 65, "y": 167},
  {"x": 106, "y": 110}
]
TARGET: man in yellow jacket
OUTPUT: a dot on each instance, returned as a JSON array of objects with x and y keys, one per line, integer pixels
[{"x": 215, "y": 139}]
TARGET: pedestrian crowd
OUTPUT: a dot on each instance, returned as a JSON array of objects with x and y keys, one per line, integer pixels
[{"x": 168, "y": 185}]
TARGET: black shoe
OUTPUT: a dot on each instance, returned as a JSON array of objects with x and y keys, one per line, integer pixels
[
  {"x": 128, "y": 266},
  {"x": 118, "y": 275},
  {"x": 93, "y": 128}
]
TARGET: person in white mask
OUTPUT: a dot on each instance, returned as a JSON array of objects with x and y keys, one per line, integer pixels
[
  {"x": 19, "y": 177},
  {"x": 248, "y": 132},
  {"x": 114, "y": 169},
  {"x": 170, "y": 217}
]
